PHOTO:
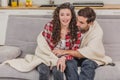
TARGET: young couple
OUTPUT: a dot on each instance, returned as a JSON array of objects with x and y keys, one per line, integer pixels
[{"x": 76, "y": 42}]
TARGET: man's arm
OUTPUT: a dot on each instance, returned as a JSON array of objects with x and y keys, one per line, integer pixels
[{"x": 74, "y": 53}]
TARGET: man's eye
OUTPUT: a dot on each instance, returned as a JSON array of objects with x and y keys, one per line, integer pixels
[{"x": 81, "y": 22}]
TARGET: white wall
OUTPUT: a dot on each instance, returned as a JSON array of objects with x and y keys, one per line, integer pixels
[
  {"x": 61, "y": 1},
  {"x": 105, "y": 1},
  {"x": 39, "y": 2}
]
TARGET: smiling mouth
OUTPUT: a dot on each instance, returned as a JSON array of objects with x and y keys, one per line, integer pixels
[{"x": 65, "y": 21}]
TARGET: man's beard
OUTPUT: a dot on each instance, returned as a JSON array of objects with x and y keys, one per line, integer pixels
[{"x": 84, "y": 30}]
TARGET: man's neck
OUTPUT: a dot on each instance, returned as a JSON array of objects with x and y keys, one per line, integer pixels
[{"x": 84, "y": 31}]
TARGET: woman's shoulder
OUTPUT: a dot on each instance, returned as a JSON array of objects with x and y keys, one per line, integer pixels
[{"x": 48, "y": 25}]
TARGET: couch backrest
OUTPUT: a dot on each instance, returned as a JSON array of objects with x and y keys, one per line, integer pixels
[
  {"x": 111, "y": 28},
  {"x": 22, "y": 31}
]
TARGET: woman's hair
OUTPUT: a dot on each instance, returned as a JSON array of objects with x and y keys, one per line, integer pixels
[
  {"x": 57, "y": 26},
  {"x": 87, "y": 13}
]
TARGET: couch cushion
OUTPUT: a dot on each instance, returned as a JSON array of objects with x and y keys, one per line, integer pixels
[
  {"x": 22, "y": 31},
  {"x": 108, "y": 72},
  {"x": 8, "y": 52},
  {"x": 111, "y": 28},
  {"x": 8, "y": 72}
]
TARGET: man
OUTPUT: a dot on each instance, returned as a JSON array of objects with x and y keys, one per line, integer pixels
[{"x": 91, "y": 53}]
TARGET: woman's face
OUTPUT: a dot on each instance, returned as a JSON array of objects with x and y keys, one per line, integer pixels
[{"x": 65, "y": 17}]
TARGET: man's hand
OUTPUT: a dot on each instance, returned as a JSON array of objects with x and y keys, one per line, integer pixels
[
  {"x": 58, "y": 52},
  {"x": 61, "y": 64},
  {"x": 73, "y": 53}
]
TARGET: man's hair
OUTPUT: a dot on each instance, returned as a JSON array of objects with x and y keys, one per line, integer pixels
[{"x": 87, "y": 13}]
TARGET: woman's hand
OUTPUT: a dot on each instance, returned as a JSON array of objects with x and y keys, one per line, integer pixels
[
  {"x": 59, "y": 52},
  {"x": 61, "y": 64}
]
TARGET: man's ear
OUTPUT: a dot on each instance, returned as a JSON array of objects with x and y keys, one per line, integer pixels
[{"x": 91, "y": 23}]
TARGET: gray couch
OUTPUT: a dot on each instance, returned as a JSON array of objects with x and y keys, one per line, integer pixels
[{"x": 21, "y": 35}]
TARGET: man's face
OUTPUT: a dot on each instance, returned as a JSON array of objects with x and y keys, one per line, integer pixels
[{"x": 82, "y": 23}]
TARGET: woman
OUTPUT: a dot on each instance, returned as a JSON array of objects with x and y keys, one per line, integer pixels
[{"x": 60, "y": 33}]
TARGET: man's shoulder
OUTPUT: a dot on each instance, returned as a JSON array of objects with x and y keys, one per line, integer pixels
[
  {"x": 96, "y": 30},
  {"x": 97, "y": 26}
]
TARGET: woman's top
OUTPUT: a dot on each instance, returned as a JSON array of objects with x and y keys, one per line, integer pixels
[
  {"x": 47, "y": 33},
  {"x": 61, "y": 44}
]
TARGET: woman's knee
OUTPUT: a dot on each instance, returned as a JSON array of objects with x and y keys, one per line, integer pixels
[
  {"x": 55, "y": 71},
  {"x": 71, "y": 67},
  {"x": 43, "y": 69},
  {"x": 89, "y": 63},
  {"x": 71, "y": 64}
]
